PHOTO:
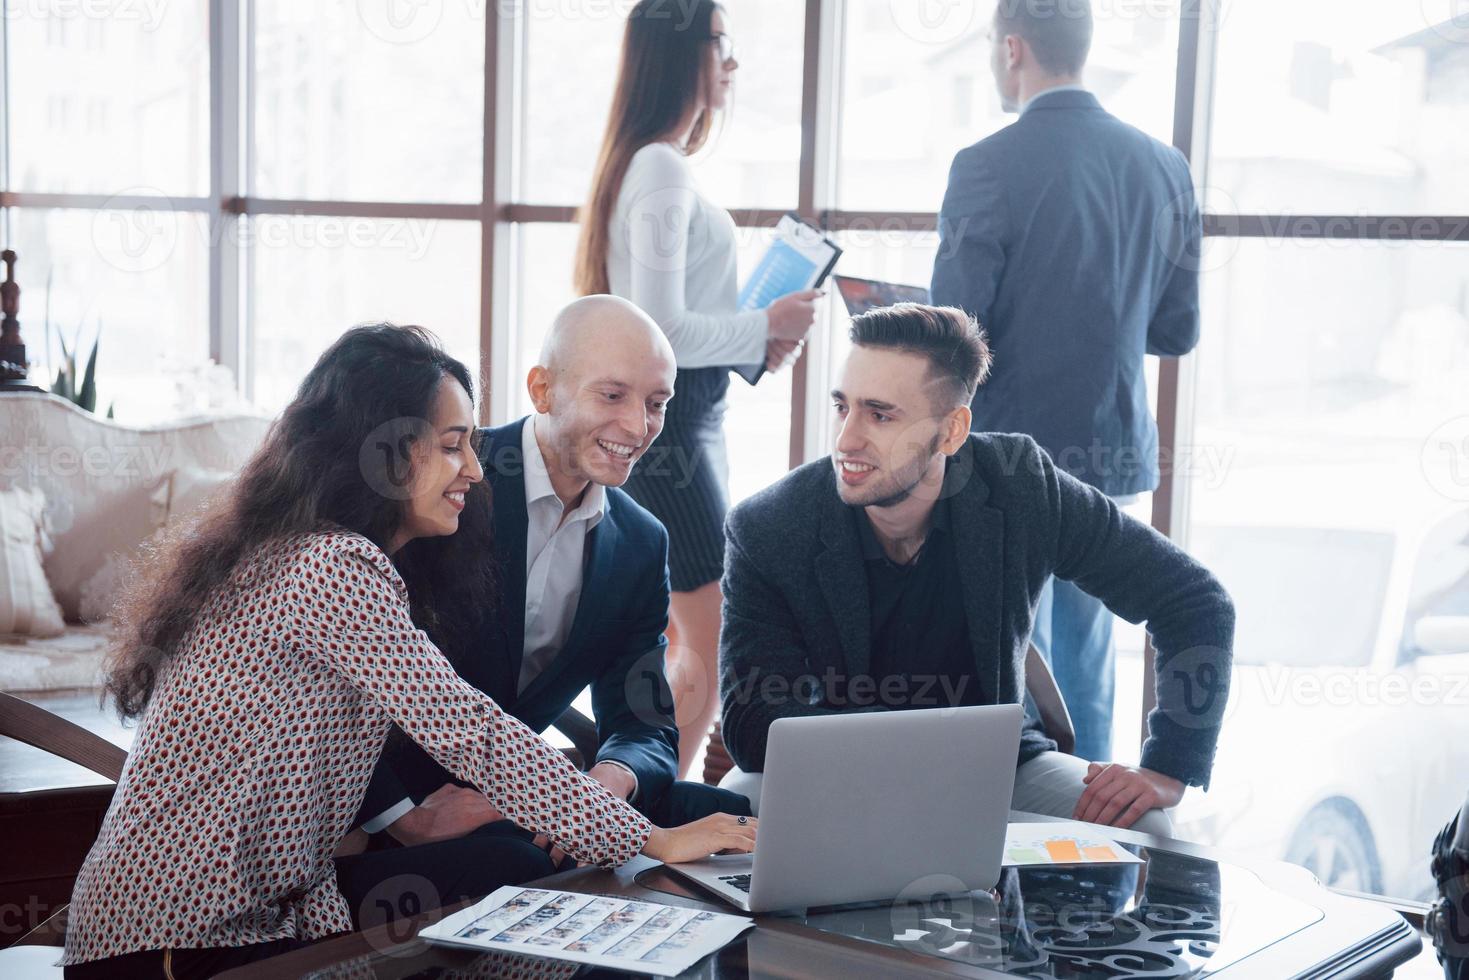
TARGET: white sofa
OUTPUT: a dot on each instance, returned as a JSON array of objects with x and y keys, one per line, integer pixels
[{"x": 107, "y": 488}]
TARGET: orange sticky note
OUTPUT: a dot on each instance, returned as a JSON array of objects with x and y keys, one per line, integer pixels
[
  {"x": 1104, "y": 854},
  {"x": 1063, "y": 851}
]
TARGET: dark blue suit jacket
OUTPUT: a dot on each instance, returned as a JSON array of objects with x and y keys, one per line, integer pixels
[
  {"x": 1074, "y": 239},
  {"x": 616, "y": 643}
]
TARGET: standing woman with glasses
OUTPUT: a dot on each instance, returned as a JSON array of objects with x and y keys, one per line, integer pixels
[{"x": 650, "y": 236}]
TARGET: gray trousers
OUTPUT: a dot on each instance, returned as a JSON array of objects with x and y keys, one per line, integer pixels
[{"x": 1049, "y": 784}]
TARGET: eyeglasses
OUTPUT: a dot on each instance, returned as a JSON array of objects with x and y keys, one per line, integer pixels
[{"x": 726, "y": 46}]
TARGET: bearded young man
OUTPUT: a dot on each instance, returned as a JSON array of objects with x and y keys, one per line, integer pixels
[{"x": 903, "y": 572}]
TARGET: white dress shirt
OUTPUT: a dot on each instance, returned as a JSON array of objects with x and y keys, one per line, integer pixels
[
  {"x": 1057, "y": 88},
  {"x": 555, "y": 564},
  {"x": 555, "y": 558}
]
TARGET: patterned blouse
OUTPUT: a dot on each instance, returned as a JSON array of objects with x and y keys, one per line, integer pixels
[{"x": 256, "y": 749}]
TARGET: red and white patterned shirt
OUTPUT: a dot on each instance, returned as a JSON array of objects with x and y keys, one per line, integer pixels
[{"x": 255, "y": 751}]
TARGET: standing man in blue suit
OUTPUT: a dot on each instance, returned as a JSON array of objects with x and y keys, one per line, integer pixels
[
  {"x": 583, "y": 581},
  {"x": 1074, "y": 239}
]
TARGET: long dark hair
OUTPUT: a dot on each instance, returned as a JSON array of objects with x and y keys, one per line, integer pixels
[
  {"x": 309, "y": 475},
  {"x": 663, "y": 71}
]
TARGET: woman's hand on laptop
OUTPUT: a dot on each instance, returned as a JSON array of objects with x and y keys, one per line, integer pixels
[
  {"x": 716, "y": 832},
  {"x": 1118, "y": 795}
]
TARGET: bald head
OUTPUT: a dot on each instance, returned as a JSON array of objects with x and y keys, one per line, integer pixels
[
  {"x": 600, "y": 391},
  {"x": 588, "y": 330}
]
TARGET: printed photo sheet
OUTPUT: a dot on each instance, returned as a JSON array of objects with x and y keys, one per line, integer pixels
[{"x": 640, "y": 937}]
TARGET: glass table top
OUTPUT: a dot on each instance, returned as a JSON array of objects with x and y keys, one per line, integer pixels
[{"x": 1174, "y": 916}]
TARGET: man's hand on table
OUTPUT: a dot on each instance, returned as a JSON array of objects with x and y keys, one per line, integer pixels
[
  {"x": 452, "y": 811},
  {"x": 1118, "y": 795},
  {"x": 447, "y": 813}
]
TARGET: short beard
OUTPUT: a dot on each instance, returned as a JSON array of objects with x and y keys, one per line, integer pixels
[{"x": 898, "y": 496}]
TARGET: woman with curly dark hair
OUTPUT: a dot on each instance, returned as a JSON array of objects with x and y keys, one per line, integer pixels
[{"x": 268, "y": 653}]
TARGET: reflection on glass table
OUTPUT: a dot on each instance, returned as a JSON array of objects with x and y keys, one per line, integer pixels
[{"x": 1175, "y": 916}]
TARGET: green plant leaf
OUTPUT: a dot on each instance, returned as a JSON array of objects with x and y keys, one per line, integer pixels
[{"x": 87, "y": 396}]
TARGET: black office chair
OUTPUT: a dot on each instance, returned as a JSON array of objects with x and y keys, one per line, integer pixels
[
  {"x": 1447, "y": 922},
  {"x": 582, "y": 732}
]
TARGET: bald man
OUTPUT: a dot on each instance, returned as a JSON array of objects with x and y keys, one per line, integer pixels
[{"x": 584, "y": 584}]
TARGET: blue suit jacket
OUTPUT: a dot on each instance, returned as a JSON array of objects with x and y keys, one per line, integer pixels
[
  {"x": 1074, "y": 239},
  {"x": 616, "y": 643}
]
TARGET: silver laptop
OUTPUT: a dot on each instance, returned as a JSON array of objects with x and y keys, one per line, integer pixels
[{"x": 864, "y": 807}]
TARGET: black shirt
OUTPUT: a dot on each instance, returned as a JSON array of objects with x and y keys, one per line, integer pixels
[{"x": 921, "y": 651}]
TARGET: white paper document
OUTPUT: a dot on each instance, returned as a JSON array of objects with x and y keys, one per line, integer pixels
[{"x": 620, "y": 933}]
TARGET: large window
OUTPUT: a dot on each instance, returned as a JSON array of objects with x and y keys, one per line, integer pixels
[
  {"x": 571, "y": 63},
  {"x": 313, "y": 275},
  {"x": 1321, "y": 112},
  {"x": 108, "y": 104},
  {"x": 916, "y": 87},
  {"x": 241, "y": 181},
  {"x": 1329, "y": 480},
  {"x": 366, "y": 102}
]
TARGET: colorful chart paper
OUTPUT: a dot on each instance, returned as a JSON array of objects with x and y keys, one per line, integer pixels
[{"x": 1058, "y": 844}]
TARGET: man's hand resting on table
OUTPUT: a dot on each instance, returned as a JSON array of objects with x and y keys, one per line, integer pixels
[
  {"x": 1118, "y": 795},
  {"x": 452, "y": 811},
  {"x": 448, "y": 812}
]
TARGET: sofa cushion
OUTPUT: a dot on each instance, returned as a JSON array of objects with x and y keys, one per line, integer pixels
[
  {"x": 27, "y": 607},
  {"x": 96, "y": 539},
  {"x": 72, "y": 659}
]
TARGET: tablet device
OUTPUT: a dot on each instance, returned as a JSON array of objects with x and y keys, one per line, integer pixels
[{"x": 861, "y": 295}]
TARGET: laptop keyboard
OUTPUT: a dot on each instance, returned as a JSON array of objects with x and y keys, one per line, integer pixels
[{"x": 742, "y": 882}]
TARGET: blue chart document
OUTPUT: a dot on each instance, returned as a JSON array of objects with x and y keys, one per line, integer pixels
[{"x": 799, "y": 259}]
